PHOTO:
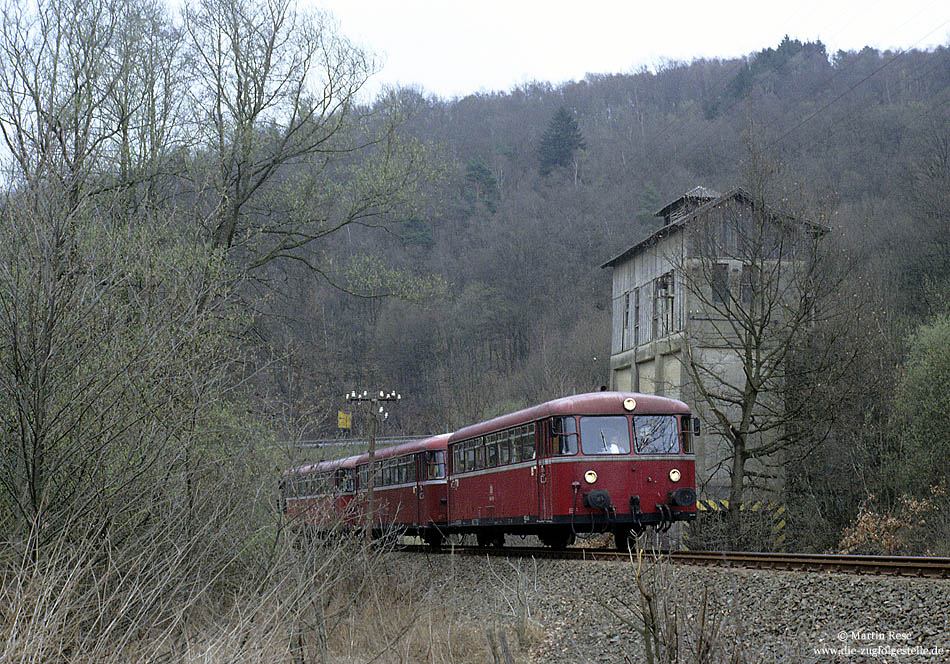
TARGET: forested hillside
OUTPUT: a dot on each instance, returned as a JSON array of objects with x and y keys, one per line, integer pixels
[
  {"x": 208, "y": 236},
  {"x": 524, "y": 313},
  {"x": 516, "y": 234}
]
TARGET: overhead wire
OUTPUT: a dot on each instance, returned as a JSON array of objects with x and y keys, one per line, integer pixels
[
  {"x": 741, "y": 61},
  {"x": 864, "y": 79},
  {"x": 814, "y": 91},
  {"x": 931, "y": 67}
]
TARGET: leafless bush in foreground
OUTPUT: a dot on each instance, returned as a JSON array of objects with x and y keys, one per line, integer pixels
[{"x": 673, "y": 629}]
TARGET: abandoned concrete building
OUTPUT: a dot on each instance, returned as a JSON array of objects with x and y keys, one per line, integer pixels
[{"x": 667, "y": 313}]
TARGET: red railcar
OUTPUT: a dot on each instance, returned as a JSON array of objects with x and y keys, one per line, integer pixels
[
  {"x": 410, "y": 487},
  {"x": 614, "y": 462},
  {"x": 605, "y": 461},
  {"x": 321, "y": 496}
]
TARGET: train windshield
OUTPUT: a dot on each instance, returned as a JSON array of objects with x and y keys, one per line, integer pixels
[
  {"x": 605, "y": 435},
  {"x": 656, "y": 434}
]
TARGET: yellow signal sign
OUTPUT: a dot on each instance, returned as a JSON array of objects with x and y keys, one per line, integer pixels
[{"x": 344, "y": 420}]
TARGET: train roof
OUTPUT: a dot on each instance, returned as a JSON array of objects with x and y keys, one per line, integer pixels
[
  {"x": 592, "y": 403},
  {"x": 425, "y": 444},
  {"x": 324, "y": 466}
]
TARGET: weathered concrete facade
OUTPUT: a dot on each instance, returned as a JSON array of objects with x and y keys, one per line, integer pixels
[{"x": 658, "y": 320}]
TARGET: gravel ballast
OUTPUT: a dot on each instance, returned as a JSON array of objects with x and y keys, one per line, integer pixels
[{"x": 568, "y": 611}]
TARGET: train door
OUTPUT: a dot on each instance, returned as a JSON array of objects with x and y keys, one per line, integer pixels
[
  {"x": 417, "y": 513},
  {"x": 543, "y": 457},
  {"x": 452, "y": 468}
]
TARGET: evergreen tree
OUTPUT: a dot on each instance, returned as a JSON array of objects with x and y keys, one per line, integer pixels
[
  {"x": 922, "y": 405},
  {"x": 559, "y": 142},
  {"x": 482, "y": 185}
]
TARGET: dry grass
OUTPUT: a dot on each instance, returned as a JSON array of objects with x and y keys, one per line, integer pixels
[{"x": 335, "y": 600}]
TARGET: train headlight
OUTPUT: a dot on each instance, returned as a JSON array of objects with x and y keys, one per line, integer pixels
[
  {"x": 590, "y": 477},
  {"x": 629, "y": 403},
  {"x": 675, "y": 475}
]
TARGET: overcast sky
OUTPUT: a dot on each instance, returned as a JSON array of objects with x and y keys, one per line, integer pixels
[{"x": 453, "y": 47}]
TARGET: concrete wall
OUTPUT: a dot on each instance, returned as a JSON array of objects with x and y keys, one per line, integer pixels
[{"x": 655, "y": 366}]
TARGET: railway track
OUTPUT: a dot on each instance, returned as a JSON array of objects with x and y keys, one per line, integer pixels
[{"x": 917, "y": 566}]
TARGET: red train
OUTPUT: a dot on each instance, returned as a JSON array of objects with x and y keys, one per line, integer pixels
[{"x": 601, "y": 462}]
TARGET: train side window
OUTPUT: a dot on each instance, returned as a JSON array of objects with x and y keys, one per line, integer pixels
[
  {"x": 564, "y": 430},
  {"x": 435, "y": 465},
  {"x": 340, "y": 480},
  {"x": 491, "y": 453},
  {"x": 504, "y": 450},
  {"x": 469, "y": 456},
  {"x": 686, "y": 423},
  {"x": 527, "y": 443}
]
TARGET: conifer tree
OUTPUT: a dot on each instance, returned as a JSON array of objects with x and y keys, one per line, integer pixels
[{"x": 559, "y": 142}]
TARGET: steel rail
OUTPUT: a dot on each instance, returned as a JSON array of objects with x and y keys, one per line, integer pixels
[{"x": 919, "y": 566}]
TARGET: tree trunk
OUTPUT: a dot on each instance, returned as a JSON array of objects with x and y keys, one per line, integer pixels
[{"x": 733, "y": 513}]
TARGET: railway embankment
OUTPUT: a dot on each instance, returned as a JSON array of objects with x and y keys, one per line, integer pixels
[{"x": 598, "y": 611}]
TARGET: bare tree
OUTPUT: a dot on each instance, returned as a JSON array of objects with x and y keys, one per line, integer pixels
[
  {"x": 55, "y": 79},
  {"x": 286, "y": 153},
  {"x": 148, "y": 104},
  {"x": 91, "y": 95},
  {"x": 760, "y": 351},
  {"x": 106, "y": 364}
]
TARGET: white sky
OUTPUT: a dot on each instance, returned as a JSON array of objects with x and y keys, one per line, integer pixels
[{"x": 456, "y": 47}]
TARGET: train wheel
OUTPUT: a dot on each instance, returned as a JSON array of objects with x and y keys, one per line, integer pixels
[
  {"x": 490, "y": 538},
  {"x": 433, "y": 538},
  {"x": 557, "y": 539}
]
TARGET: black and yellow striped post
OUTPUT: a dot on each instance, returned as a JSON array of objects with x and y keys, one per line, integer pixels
[{"x": 776, "y": 512}]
